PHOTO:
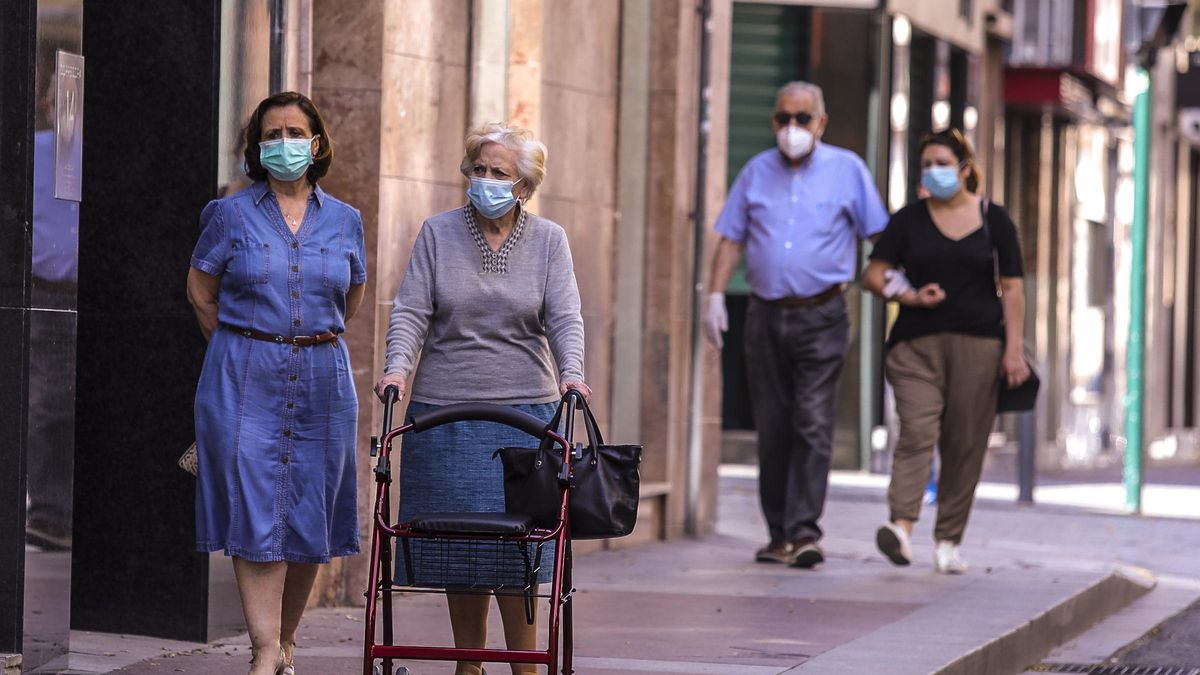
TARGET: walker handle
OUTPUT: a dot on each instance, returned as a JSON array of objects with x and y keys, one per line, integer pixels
[
  {"x": 487, "y": 412},
  {"x": 390, "y": 394}
]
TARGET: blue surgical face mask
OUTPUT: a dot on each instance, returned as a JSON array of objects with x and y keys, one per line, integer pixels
[
  {"x": 941, "y": 181},
  {"x": 492, "y": 198},
  {"x": 286, "y": 159}
]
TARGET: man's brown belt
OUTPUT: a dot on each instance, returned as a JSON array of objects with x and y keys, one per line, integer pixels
[
  {"x": 810, "y": 300},
  {"x": 297, "y": 341}
]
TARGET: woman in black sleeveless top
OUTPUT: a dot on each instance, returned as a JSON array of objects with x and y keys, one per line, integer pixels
[{"x": 957, "y": 337}]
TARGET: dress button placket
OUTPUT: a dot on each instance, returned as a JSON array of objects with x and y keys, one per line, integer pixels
[{"x": 294, "y": 358}]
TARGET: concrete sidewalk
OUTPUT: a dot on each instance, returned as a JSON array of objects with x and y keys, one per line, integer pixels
[{"x": 1040, "y": 577}]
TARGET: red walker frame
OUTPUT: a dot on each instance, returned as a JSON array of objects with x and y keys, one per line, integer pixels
[{"x": 382, "y": 532}]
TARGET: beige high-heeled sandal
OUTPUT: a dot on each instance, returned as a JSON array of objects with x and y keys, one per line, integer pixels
[
  {"x": 278, "y": 666},
  {"x": 285, "y": 668}
]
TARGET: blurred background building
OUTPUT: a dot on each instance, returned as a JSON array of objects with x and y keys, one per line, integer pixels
[{"x": 649, "y": 109}]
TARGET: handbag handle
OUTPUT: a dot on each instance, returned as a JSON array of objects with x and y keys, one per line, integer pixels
[{"x": 595, "y": 438}]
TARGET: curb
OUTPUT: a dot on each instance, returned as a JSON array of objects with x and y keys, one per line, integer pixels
[
  {"x": 998, "y": 625},
  {"x": 1014, "y": 651},
  {"x": 1107, "y": 641}
]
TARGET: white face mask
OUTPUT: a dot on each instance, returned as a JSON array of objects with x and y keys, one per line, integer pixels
[{"x": 795, "y": 141}]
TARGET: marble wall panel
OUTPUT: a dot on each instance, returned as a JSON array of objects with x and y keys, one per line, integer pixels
[
  {"x": 352, "y": 117},
  {"x": 525, "y": 62},
  {"x": 347, "y": 70},
  {"x": 433, "y": 30},
  {"x": 589, "y": 232},
  {"x": 347, "y": 44},
  {"x": 424, "y": 117},
  {"x": 672, "y": 155},
  {"x": 583, "y": 44},
  {"x": 404, "y": 206},
  {"x": 660, "y": 247},
  {"x": 579, "y": 110},
  {"x": 580, "y": 133},
  {"x": 718, "y": 148}
]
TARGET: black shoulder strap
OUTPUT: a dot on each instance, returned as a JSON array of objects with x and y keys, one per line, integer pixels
[{"x": 984, "y": 214}]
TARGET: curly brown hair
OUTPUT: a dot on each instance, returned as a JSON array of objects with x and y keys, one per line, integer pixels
[
  {"x": 958, "y": 144},
  {"x": 322, "y": 158}
]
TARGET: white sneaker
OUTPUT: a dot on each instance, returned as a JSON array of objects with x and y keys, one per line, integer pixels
[
  {"x": 946, "y": 559},
  {"x": 893, "y": 542}
]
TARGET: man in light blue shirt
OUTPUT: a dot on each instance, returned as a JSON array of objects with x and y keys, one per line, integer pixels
[{"x": 798, "y": 212}]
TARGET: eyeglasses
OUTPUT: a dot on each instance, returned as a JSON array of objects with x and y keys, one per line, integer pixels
[{"x": 802, "y": 118}]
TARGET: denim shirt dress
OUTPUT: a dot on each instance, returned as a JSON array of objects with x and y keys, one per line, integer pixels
[{"x": 276, "y": 424}]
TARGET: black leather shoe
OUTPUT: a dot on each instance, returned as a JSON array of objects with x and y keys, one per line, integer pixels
[
  {"x": 781, "y": 552},
  {"x": 807, "y": 555}
]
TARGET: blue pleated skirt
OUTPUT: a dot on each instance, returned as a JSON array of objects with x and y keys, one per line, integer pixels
[{"x": 450, "y": 468}]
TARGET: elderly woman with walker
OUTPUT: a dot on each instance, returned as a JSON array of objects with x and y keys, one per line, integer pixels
[{"x": 490, "y": 302}]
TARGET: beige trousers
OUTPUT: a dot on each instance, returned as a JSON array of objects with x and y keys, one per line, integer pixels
[{"x": 946, "y": 386}]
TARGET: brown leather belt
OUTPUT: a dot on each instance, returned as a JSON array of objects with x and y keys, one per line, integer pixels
[
  {"x": 810, "y": 300},
  {"x": 296, "y": 341}
]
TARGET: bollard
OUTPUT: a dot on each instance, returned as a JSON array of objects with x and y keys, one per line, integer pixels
[{"x": 1026, "y": 456}]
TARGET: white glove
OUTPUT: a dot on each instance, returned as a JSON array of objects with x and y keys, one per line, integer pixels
[
  {"x": 716, "y": 319},
  {"x": 897, "y": 283}
]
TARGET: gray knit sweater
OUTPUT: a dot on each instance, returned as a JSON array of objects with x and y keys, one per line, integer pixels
[{"x": 489, "y": 326}]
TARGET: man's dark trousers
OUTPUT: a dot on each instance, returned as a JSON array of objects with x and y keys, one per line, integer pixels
[{"x": 794, "y": 355}]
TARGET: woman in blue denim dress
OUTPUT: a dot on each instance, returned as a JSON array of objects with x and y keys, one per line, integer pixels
[{"x": 278, "y": 270}]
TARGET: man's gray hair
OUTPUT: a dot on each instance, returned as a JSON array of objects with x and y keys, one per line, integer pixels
[{"x": 797, "y": 87}]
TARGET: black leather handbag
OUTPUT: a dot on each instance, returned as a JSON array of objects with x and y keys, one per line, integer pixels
[
  {"x": 604, "y": 482},
  {"x": 1022, "y": 397}
]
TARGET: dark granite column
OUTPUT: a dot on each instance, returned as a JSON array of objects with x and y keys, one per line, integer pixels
[
  {"x": 151, "y": 148},
  {"x": 16, "y": 138}
]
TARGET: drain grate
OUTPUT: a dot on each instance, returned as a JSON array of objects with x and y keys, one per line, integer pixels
[{"x": 1107, "y": 669}]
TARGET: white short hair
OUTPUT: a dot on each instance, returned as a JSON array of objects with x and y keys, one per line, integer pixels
[
  {"x": 797, "y": 87},
  {"x": 531, "y": 153}
]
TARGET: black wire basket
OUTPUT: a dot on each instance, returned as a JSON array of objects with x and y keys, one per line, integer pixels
[{"x": 470, "y": 564}]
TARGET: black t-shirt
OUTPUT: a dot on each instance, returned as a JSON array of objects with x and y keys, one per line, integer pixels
[{"x": 964, "y": 269}]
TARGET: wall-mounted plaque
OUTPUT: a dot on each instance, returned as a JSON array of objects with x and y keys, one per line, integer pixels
[{"x": 68, "y": 126}]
